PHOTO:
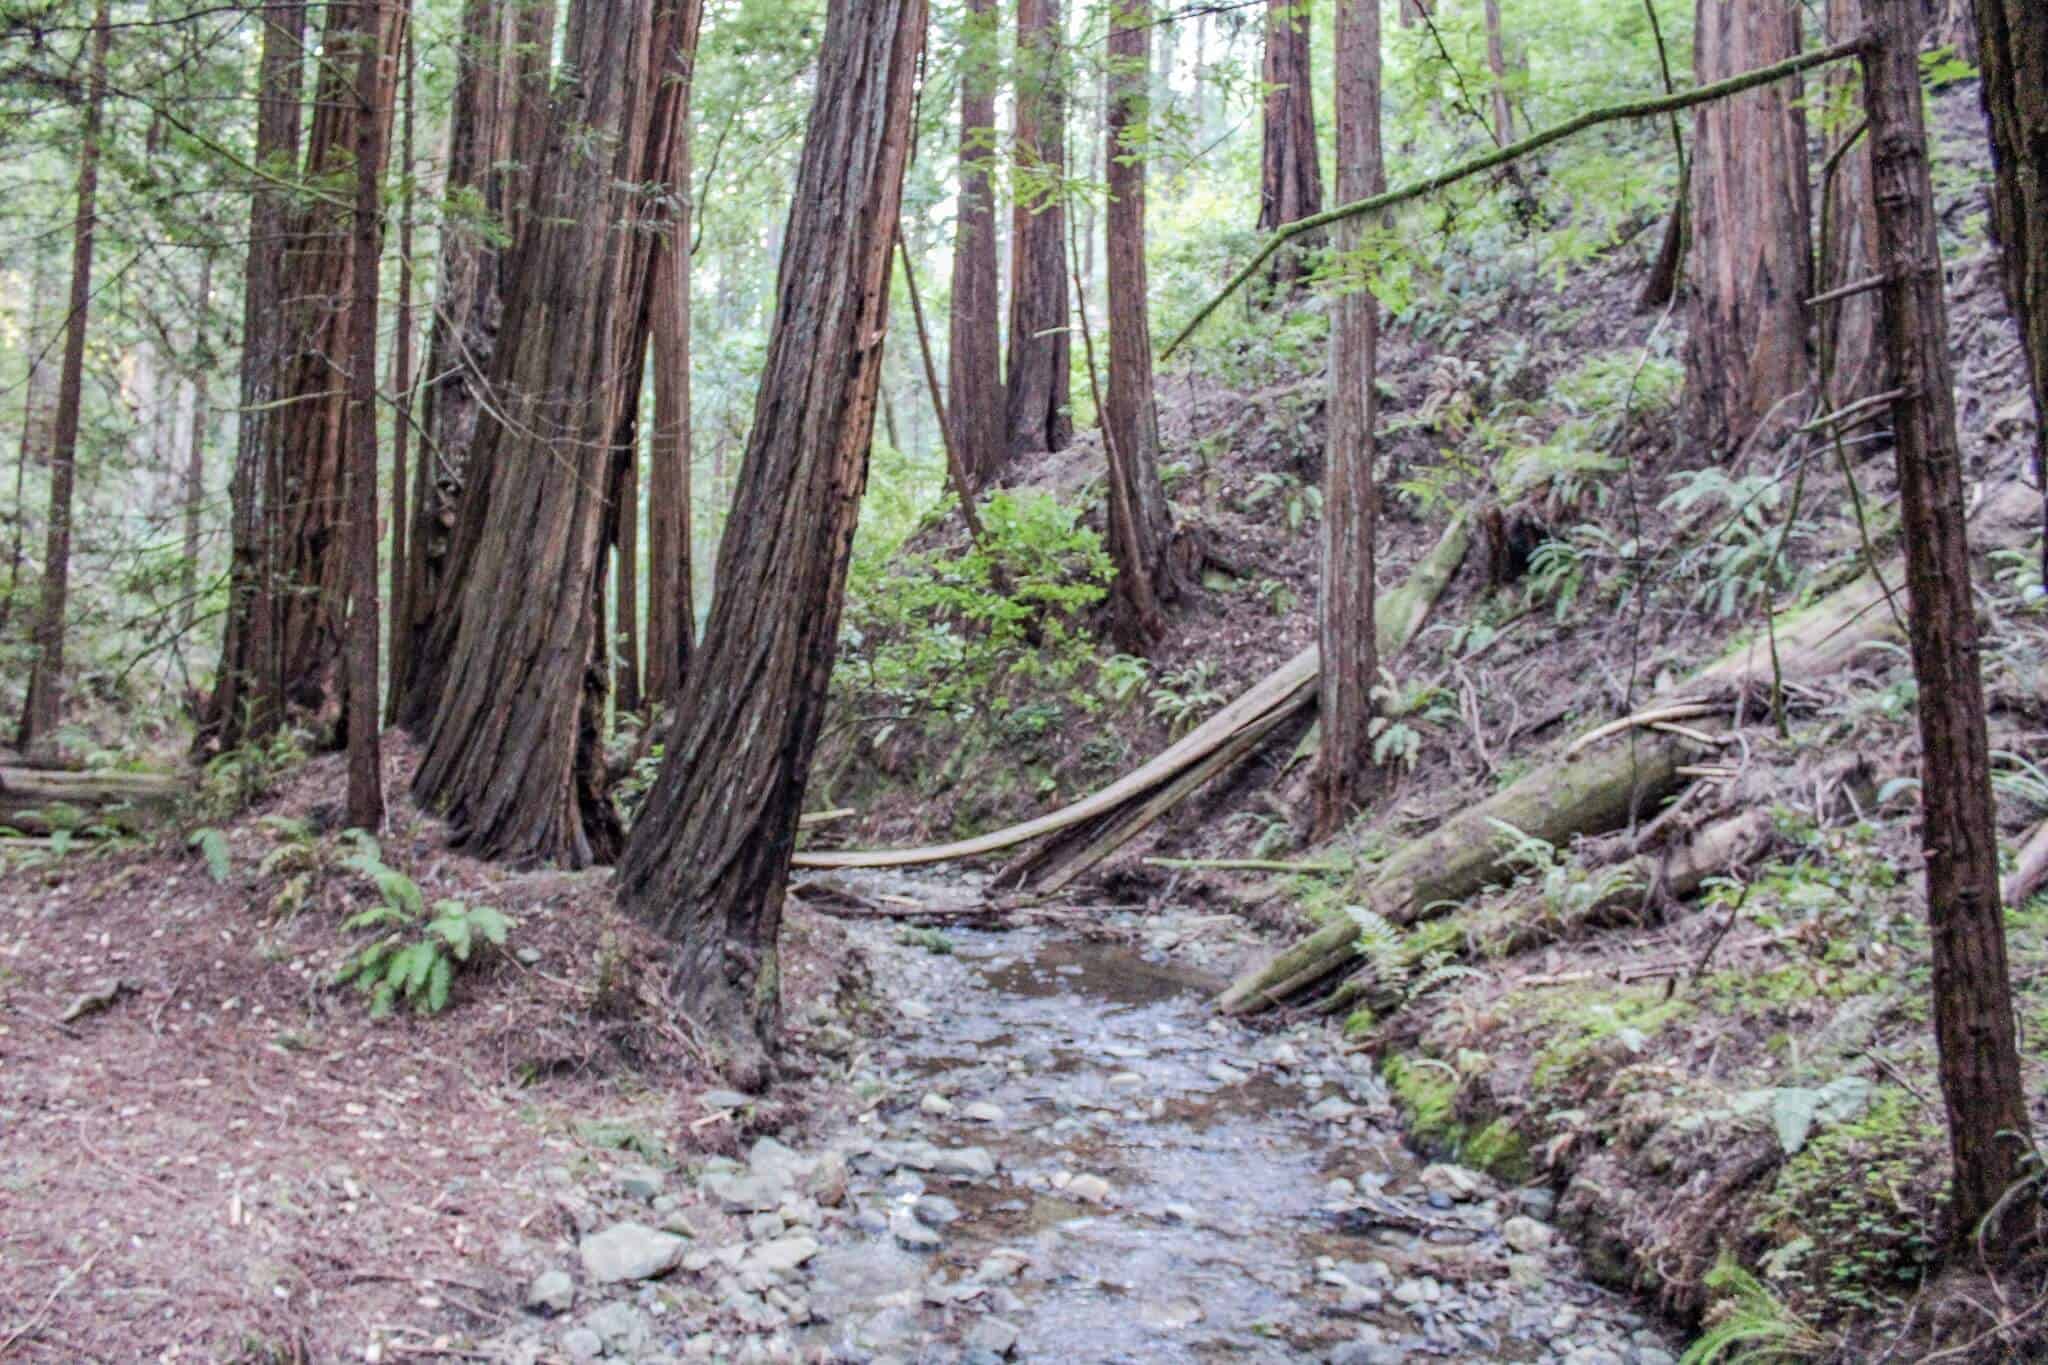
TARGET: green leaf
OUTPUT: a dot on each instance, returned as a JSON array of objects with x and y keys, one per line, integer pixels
[
  {"x": 213, "y": 846},
  {"x": 437, "y": 985}
]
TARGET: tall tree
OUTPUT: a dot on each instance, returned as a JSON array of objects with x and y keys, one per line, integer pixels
[
  {"x": 496, "y": 131},
  {"x": 1973, "y": 1014},
  {"x": 40, "y": 714},
  {"x": 1746, "y": 349},
  {"x": 975, "y": 378},
  {"x": 709, "y": 855},
  {"x": 1290, "y": 175},
  {"x": 511, "y": 755},
  {"x": 2013, "y": 46},
  {"x": 671, "y": 595},
  {"x": 1346, "y": 633},
  {"x": 1140, "y": 522},
  {"x": 371, "y": 90},
  {"x": 1848, "y": 361},
  {"x": 199, "y": 358},
  {"x": 402, "y": 378},
  {"x": 1037, "y": 399},
  {"x": 1497, "y": 64},
  {"x": 248, "y": 690}
]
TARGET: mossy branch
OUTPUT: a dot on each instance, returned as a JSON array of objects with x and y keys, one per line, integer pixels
[{"x": 1628, "y": 109}]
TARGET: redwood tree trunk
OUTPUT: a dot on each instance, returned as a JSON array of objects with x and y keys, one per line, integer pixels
[
  {"x": 1746, "y": 350},
  {"x": 201, "y": 361},
  {"x": 1290, "y": 176},
  {"x": 40, "y": 715},
  {"x": 1345, "y": 628},
  {"x": 401, "y": 387},
  {"x": 2013, "y": 44},
  {"x": 1849, "y": 360},
  {"x": 975, "y": 378},
  {"x": 371, "y": 91},
  {"x": 511, "y": 754},
  {"x": 495, "y": 136},
  {"x": 1973, "y": 1017},
  {"x": 1036, "y": 403},
  {"x": 709, "y": 855},
  {"x": 1140, "y": 522},
  {"x": 1497, "y": 64},
  {"x": 248, "y": 693}
]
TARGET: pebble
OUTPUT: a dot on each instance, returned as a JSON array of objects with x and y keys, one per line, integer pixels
[
  {"x": 935, "y": 1211},
  {"x": 994, "y": 1336},
  {"x": 629, "y": 1251},
  {"x": 912, "y": 1235},
  {"x": 724, "y": 1099},
  {"x": 964, "y": 1161},
  {"x": 582, "y": 1344},
  {"x": 643, "y": 1182},
  {"x": 552, "y": 1291},
  {"x": 1332, "y": 1109},
  {"x": 1091, "y": 1188},
  {"x": 935, "y": 1105},
  {"x": 981, "y": 1111},
  {"x": 782, "y": 1255},
  {"x": 1525, "y": 1234},
  {"x": 1223, "y": 1073}
]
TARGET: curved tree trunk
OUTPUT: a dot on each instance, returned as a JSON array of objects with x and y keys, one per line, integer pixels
[
  {"x": 1037, "y": 398},
  {"x": 495, "y": 132},
  {"x": 1140, "y": 522},
  {"x": 1973, "y": 1014},
  {"x": 40, "y": 714},
  {"x": 1345, "y": 629},
  {"x": 2013, "y": 43},
  {"x": 1290, "y": 176},
  {"x": 975, "y": 378},
  {"x": 1746, "y": 350},
  {"x": 511, "y": 755},
  {"x": 709, "y": 856}
]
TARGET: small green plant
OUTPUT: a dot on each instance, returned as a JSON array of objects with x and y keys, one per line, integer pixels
[
  {"x": 931, "y": 940},
  {"x": 1299, "y": 501},
  {"x": 418, "y": 970},
  {"x": 1568, "y": 889},
  {"x": 1740, "y": 560},
  {"x": 213, "y": 847},
  {"x": 366, "y": 860},
  {"x": 1183, "y": 697},
  {"x": 1749, "y": 1325}
]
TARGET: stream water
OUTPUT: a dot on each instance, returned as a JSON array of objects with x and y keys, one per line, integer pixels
[{"x": 1067, "y": 1156}]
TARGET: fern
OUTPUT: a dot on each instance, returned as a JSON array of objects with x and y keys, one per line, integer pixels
[
  {"x": 1751, "y": 1326},
  {"x": 421, "y": 973}
]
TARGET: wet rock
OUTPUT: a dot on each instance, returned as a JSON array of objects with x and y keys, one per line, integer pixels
[
  {"x": 935, "y": 1211},
  {"x": 780, "y": 1256},
  {"x": 1525, "y": 1234},
  {"x": 912, "y": 1235},
  {"x": 629, "y": 1251},
  {"x": 994, "y": 1336},
  {"x": 551, "y": 1292}
]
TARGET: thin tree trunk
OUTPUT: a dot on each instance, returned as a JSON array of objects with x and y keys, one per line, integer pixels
[
  {"x": 1973, "y": 1015},
  {"x": 975, "y": 377},
  {"x": 1037, "y": 397},
  {"x": 671, "y": 596},
  {"x": 1345, "y": 629},
  {"x": 201, "y": 362},
  {"x": 1746, "y": 350},
  {"x": 2013, "y": 42},
  {"x": 1140, "y": 522},
  {"x": 38, "y": 401},
  {"x": 1290, "y": 175},
  {"x": 710, "y": 852},
  {"x": 371, "y": 91},
  {"x": 495, "y": 138},
  {"x": 401, "y": 389},
  {"x": 1848, "y": 351},
  {"x": 248, "y": 695},
  {"x": 1496, "y": 62},
  {"x": 626, "y": 632},
  {"x": 39, "y": 717},
  {"x": 512, "y": 751}
]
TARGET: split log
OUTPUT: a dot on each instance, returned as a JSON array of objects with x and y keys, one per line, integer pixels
[
  {"x": 27, "y": 794},
  {"x": 1136, "y": 799},
  {"x": 1588, "y": 792}
]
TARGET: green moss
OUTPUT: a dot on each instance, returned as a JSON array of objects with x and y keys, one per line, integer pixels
[
  {"x": 1359, "y": 1023},
  {"x": 1500, "y": 1151},
  {"x": 1593, "y": 1025},
  {"x": 1427, "y": 1092}
]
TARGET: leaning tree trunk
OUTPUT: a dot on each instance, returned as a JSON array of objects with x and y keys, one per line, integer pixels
[
  {"x": 512, "y": 755},
  {"x": 709, "y": 855},
  {"x": 1850, "y": 365},
  {"x": 1036, "y": 400},
  {"x": 1973, "y": 1015},
  {"x": 371, "y": 90},
  {"x": 39, "y": 716},
  {"x": 495, "y": 134},
  {"x": 248, "y": 692},
  {"x": 1746, "y": 350},
  {"x": 1290, "y": 176},
  {"x": 2013, "y": 42},
  {"x": 975, "y": 351},
  {"x": 1345, "y": 630},
  {"x": 1140, "y": 522}
]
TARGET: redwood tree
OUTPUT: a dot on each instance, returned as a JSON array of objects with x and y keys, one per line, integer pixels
[
  {"x": 39, "y": 717},
  {"x": 1140, "y": 522},
  {"x": 1290, "y": 176},
  {"x": 1037, "y": 397},
  {"x": 1973, "y": 1015},
  {"x": 512, "y": 750},
  {"x": 1849, "y": 360},
  {"x": 2013, "y": 46},
  {"x": 1345, "y": 628},
  {"x": 1746, "y": 349},
  {"x": 975, "y": 379},
  {"x": 709, "y": 855}
]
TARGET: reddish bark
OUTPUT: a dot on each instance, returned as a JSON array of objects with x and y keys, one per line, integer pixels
[
  {"x": 1290, "y": 176},
  {"x": 1037, "y": 398},
  {"x": 975, "y": 379}
]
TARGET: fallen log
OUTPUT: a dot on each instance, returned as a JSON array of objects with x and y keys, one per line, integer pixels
[
  {"x": 1280, "y": 694},
  {"x": 1591, "y": 791},
  {"x": 29, "y": 797},
  {"x": 2029, "y": 868}
]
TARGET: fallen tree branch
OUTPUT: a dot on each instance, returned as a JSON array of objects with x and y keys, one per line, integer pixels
[{"x": 1243, "y": 865}]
